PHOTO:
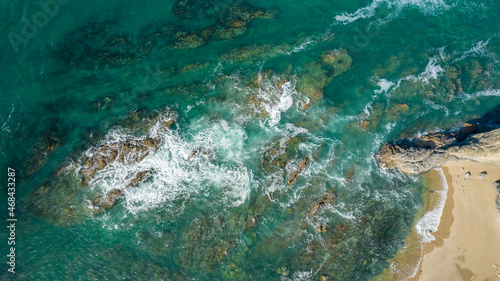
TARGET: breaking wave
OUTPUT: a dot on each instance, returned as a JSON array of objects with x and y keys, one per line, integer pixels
[{"x": 425, "y": 6}]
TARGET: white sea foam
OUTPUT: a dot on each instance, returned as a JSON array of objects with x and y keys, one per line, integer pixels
[
  {"x": 425, "y": 6},
  {"x": 384, "y": 85},
  {"x": 475, "y": 95},
  {"x": 5, "y": 126},
  {"x": 361, "y": 13},
  {"x": 436, "y": 106},
  {"x": 303, "y": 46},
  {"x": 430, "y": 221},
  {"x": 284, "y": 103},
  {"x": 432, "y": 71},
  {"x": 268, "y": 99},
  {"x": 303, "y": 276},
  {"x": 478, "y": 49},
  {"x": 177, "y": 173}
]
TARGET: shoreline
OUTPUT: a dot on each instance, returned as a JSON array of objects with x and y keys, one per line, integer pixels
[{"x": 466, "y": 244}]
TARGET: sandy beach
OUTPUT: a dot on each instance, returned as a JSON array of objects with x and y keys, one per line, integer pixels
[{"x": 467, "y": 244}]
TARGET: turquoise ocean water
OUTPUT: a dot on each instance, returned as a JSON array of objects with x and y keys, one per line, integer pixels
[{"x": 254, "y": 88}]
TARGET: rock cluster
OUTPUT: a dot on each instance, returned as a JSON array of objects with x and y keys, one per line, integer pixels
[
  {"x": 65, "y": 192},
  {"x": 414, "y": 156},
  {"x": 128, "y": 151}
]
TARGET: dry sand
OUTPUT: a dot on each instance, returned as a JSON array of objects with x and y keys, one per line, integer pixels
[{"x": 467, "y": 244}]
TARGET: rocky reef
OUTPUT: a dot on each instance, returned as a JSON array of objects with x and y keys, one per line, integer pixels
[
  {"x": 95, "y": 44},
  {"x": 417, "y": 155},
  {"x": 65, "y": 190}
]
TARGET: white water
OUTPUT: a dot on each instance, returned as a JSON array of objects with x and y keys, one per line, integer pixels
[
  {"x": 284, "y": 103},
  {"x": 425, "y": 6},
  {"x": 432, "y": 71},
  {"x": 218, "y": 166},
  {"x": 384, "y": 85},
  {"x": 429, "y": 223}
]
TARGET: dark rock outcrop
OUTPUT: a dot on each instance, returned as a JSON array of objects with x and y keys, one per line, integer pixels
[{"x": 421, "y": 154}]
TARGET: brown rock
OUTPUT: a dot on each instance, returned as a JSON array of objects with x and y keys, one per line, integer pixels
[
  {"x": 109, "y": 201},
  {"x": 322, "y": 228},
  {"x": 328, "y": 198},
  {"x": 112, "y": 197},
  {"x": 128, "y": 151},
  {"x": 139, "y": 177},
  {"x": 166, "y": 124},
  {"x": 193, "y": 154},
  {"x": 302, "y": 164},
  {"x": 365, "y": 124}
]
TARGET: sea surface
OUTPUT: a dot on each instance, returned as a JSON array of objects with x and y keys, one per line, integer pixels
[{"x": 255, "y": 89}]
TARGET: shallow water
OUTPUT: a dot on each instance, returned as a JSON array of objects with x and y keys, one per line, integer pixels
[{"x": 296, "y": 82}]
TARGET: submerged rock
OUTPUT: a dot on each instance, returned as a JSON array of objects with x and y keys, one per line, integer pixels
[
  {"x": 280, "y": 154},
  {"x": 192, "y": 40},
  {"x": 336, "y": 61},
  {"x": 50, "y": 141},
  {"x": 419, "y": 155},
  {"x": 204, "y": 249}
]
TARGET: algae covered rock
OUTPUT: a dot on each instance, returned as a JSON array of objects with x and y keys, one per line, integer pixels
[
  {"x": 336, "y": 61},
  {"x": 204, "y": 249},
  {"x": 192, "y": 40},
  {"x": 280, "y": 154}
]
